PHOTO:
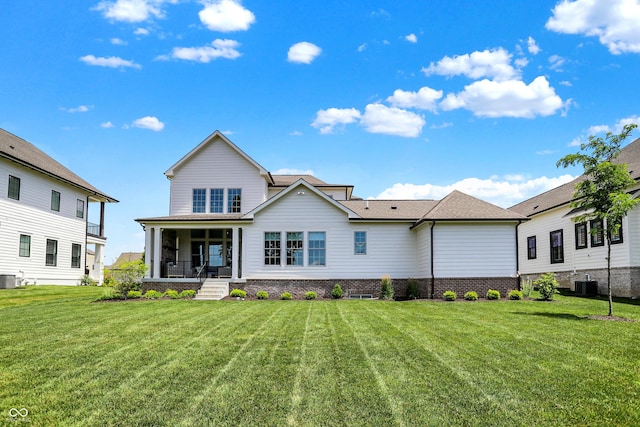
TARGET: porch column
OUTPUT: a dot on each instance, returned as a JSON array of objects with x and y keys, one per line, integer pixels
[
  {"x": 148, "y": 249},
  {"x": 234, "y": 253},
  {"x": 157, "y": 251},
  {"x": 98, "y": 263}
]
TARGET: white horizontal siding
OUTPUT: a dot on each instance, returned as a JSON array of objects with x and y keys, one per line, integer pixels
[
  {"x": 217, "y": 165},
  {"x": 423, "y": 250},
  {"x": 474, "y": 250},
  {"x": 390, "y": 247}
]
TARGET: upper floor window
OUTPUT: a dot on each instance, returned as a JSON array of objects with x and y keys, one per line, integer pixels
[
  {"x": 272, "y": 249},
  {"x": 234, "y": 199},
  {"x": 76, "y": 255},
  {"x": 557, "y": 246},
  {"x": 80, "y": 208},
  {"x": 216, "y": 200},
  {"x": 295, "y": 248},
  {"x": 581, "y": 235},
  {"x": 360, "y": 242},
  {"x": 51, "y": 258},
  {"x": 597, "y": 233},
  {"x": 25, "y": 245},
  {"x": 14, "y": 188},
  {"x": 617, "y": 236},
  {"x": 317, "y": 248},
  {"x": 531, "y": 247},
  {"x": 199, "y": 200},
  {"x": 55, "y": 200}
]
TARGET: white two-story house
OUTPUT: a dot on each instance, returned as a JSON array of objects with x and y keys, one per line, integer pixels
[
  {"x": 44, "y": 228},
  {"x": 553, "y": 242},
  {"x": 232, "y": 220}
]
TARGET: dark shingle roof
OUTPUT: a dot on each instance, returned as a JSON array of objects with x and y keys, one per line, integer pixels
[
  {"x": 564, "y": 193},
  {"x": 411, "y": 210},
  {"x": 287, "y": 180},
  {"x": 20, "y": 151},
  {"x": 460, "y": 206}
]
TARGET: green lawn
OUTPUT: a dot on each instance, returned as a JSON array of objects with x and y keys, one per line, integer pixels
[{"x": 69, "y": 361}]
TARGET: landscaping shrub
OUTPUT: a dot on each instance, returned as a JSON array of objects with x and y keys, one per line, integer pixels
[
  {"x": 173, "y": 294},
  {"x": 336, "y": 292},
  {"x": 527, "y": 287},
  {"x": 412, "y": 289},
  {"x": 86, "y": 280},
  {"x": 187, "y": 293},
  {"x": 238, "y": 293},
  {"x": 493, "y": 294},
  {"x": 515, "y": 295},
  {"x": 471, "y": 296},
  {"x": 134, "y": 294},
  {"x": 152, "y": 294},
  {"x": 262, "y": 295},
  {"x": 386, "y": 288},
  {"x": 128, "y": 276},
  {"x": 547, "y": 286},
  {"x": 286, "y": 296},
  {"x": 110, "y": 294},
  {"x": 449, "y": 296}
]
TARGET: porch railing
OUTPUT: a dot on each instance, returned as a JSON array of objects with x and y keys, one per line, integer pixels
[
  {"x": 180, "y": 269},
  {"x": 93, "y": 229}
]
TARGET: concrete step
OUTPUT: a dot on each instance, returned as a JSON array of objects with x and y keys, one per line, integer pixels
[{"x": 213, "y": 290}]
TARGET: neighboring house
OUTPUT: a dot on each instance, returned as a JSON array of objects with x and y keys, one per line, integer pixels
[
  {"x": 231, "y": 219},
  {"x": 553, "y": 242},
  {"x": 44, "y": 209},
  {"x": 125, "y": 257}
]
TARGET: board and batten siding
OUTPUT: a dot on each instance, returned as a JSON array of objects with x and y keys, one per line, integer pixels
[
  {"x": 217, "y": 165},
  {"x": 390, "y": 246},
  {"x": 474, "y": 250},
  {"x": 32, "y": 216},
  {"x": 543, "y": 224}
]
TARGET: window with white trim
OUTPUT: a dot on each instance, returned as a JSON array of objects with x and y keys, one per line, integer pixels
[
  {"x": 199, "y": 200},
  {"x": 272, "y": 251},
  {"x": 80, "y": 208},
  {"x": 14, "y": 188},
  {"x": 25, "y": 245},
  {"x": 55, "y": 200},
  {"x": 360, "y": 242},
  {"x": 295, "y": 248},
  {"x": 76, "y": 255},
  {"x": 234, "y": 200},
  {"x": 216, "y": 200},
  {"x": 51, "y": 257},
  {"x": 317, "y": 248}
]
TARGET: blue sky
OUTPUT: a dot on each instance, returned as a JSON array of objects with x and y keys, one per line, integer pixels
[{"x": 400, "y": 99}]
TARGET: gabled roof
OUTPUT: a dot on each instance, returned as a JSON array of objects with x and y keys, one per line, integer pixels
[
  {"x": 26, "y": 154},
  {"x": 294, "y": 187},
  {"x": 217, "y": 136},
  {"x": 127, "y": 257},
  {"x": 458, "y": 206},
  {"x": 287, "y": 180},
  {"x": 563, "y": 194},
  {"x": 410, "y": 210}
]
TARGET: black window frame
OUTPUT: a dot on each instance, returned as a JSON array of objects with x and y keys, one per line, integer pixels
[
  {"x": 597, "y": 232},
  {"x": 51, "y": 258},
  {"x": 24, "y": 248},
  {"x": 80, "y": 208},
  {"x": 581, "y": 227},
  {"x": 532, "y": 250},
  {"x": 76, "y": 255},
  {"x": 55, "y": 200},
  {"x": 13, "y": 190},
  {"x": 557, "y": 259},
  {"x": 616, "y": 240}
]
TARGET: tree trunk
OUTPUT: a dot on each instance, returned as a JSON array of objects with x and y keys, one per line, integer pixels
[{"x": 609, "y": 275}]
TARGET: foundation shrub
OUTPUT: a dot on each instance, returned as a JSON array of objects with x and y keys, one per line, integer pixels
[
  {"x": 515, "y": 295},
  {"x": 386, "y": 288},
  {"x": 238, "y": 293},
  {"x": 471, "y": 296},
  {"x": 412, "y": 289},
  {"x": 187, "y": 293},
  {"x": 134, "y": 294},
  {"x": 493, "y": 294},
  {"x": 336, "y": 292},
  {"x": 262, "y": 295},
  {"x": 310, "y": 295},
  {"x": 171, "y": 293},
  {"x": 449, "y": 296},
  {"x": 547, "y": 285},
  {"x": 152, "y": 294},
  {"x": 286, "y": 296}
]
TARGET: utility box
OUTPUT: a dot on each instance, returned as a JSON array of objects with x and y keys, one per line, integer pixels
[
  {"x": 7, "y": 281},
  {"x": 586, "y": 288}
]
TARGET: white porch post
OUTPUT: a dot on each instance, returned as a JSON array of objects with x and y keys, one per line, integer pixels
[
  {"x": 157, "y": 251},
  {"x": 234, "y": 253},
  {"x": 98, "y": 263},
  {"x": 148, "y": 249}
]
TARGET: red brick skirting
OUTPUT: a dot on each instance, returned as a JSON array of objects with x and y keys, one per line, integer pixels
[{"x": 163, "y": 286}]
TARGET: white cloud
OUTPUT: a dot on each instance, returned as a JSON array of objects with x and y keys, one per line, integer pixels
[
  {"x": 511, "y": 98},
  {"x": 218, "y": 49},
  {"x": 141, "y": 32},
  {"x": 614, "y": 22},
  {"x": 424, "y": 99},
  {"x": 546, "y": 152},
  {"x": 303, "y": 53},
  {"x": 78, "y": 109},
  {"x": 556, "y": 62},
  {"x": 106, "y": 125},
  {"x": 148, "y": 122},
  {"x": 617, "y": 128},
  {"x": 598, "y": 129},
  {"x": 328, "y": 119},
  {"x": 532, "y": 46},
  {"x": 118, "y": 42},
  {"x": 488, "y": 63},
  {"x": 131, "y": 10},
  {"x": 362, "y": 47},
  {"x": 111, "y": 62},
  {"x": 226, "y": 16},
  {"x": 566, "y": 83},
  {"x": 521, "y": 62},
  {"x": 411, "y": 38},
  {"x": 291, "y": 171},
  {"x": 378, "y": 118},
  {"x": 505, "y": 191},
  {"x": 296, "y": 133}
]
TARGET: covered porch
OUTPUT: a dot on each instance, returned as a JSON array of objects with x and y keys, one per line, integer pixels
[{"x": 195, "y": 251}]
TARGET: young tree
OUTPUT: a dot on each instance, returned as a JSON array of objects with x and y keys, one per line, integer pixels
[{"x": 602, "y": 194}]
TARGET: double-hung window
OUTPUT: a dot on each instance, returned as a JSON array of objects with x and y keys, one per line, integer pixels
[
  {"x": 55, "y": 200},
  {"x": 360, "y": 242},
  {"x": 597, "y": 233},
  {"x": 295, "y": 248},
  {"x": 51, "y": 258},
  {"x": 272, "y": 249},
  {"x": 531, "y": 247},
  {"x": 80, "y": 208},
  {"x": 557, "y": 247},
  {"x": 216, "y": 200},
  {"x": 25, "y": 245},
  {"x": 617, "y": 236},
  {"x": 199, "y": 200},
  {"x": 76, "y": 255},
  {"x": 581, "y": 235},
  {"x": 317, "y": 248},
  {"x": 234, "y": 199},
  {"x": 14, "y": 187}
]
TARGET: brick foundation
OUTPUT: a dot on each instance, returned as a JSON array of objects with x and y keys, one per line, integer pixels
[
  {"x": 461, "y": 285},
  {"x": 625, "y": 281},
  {"x": 163, "y": 286}
]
